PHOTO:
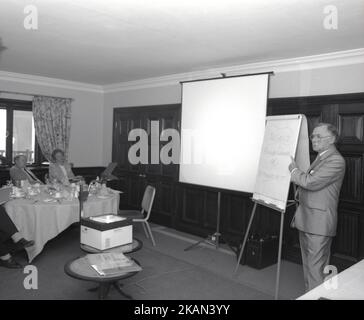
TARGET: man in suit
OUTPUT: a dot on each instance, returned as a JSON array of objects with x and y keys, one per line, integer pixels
[
  {"x": 7, "y": 231},
  {"x": 316, "y": 215},
  {"x": 20, "y": 172}
]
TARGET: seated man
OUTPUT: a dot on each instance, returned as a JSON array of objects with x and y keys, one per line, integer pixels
[
  {"x": 8, "y": 230},
  {"x": 20, "y": 172}
]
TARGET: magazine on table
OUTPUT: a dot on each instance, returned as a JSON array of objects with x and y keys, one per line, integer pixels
[{"x": 112, "y": 263}]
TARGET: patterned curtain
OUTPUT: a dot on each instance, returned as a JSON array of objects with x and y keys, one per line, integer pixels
[{"x": 52, "y": 122}]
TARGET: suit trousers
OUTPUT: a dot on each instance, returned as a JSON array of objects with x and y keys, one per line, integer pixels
[
  {"x": 315, "y": 251},
  {"x": 7, "y": 229}
]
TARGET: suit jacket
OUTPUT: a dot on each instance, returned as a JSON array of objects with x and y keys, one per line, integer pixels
[
  {"x": 319, "y": 190},
  {"x": 7, "y": 227},
  {"x": 17, "y": 173},
  {"x": 55, "y": 172}
]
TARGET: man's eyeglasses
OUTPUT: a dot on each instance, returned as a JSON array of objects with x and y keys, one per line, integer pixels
[{"x": 317, "y": 136}]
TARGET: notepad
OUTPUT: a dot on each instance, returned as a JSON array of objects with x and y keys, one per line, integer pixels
[{"x": 107, "y": 264}]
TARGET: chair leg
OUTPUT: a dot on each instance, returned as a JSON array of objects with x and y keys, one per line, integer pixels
[
  {"x": 145, "y": 230},
  {"x": 150, "y": 232}
]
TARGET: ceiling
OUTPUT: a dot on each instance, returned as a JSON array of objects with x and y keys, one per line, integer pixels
[{"x": 109, "y": 41}]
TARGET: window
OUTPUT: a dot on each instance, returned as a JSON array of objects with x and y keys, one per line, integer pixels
[{"x": 17, "y": 133}]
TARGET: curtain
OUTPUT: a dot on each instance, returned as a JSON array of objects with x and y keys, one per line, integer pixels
[{"x": 52, "y": 122}]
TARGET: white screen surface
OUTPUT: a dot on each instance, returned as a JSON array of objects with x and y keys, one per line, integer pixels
[{"x": 222, "y": 131}]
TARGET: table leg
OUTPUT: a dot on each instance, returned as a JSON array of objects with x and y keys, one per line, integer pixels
[
  {"x": 104, "y": 290},
  {"x": 118, "y": 286},
  {"x": 93, "y": 289}
]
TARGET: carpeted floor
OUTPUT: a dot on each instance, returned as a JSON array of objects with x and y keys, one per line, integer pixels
[{"x": 168, "y": 273}]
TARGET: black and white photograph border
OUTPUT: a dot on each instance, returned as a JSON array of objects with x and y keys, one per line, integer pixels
[{"x": 193, "y": 153}]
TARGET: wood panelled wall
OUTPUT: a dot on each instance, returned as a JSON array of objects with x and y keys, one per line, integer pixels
[{"x": 193, "y": 208}]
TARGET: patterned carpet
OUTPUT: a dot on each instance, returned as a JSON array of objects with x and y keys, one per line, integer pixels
[{"x": 164, "y": 276}]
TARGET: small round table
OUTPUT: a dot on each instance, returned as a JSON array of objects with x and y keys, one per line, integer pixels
[
  {"x": 127, "y": 248},
  {"x": 80, "y": 268}
]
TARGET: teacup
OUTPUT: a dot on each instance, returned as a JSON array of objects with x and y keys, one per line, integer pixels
[
  {"x": 18, "y": 193},
  {"x": 57, "y": 195},
  {"x": 32, "y": 193}
]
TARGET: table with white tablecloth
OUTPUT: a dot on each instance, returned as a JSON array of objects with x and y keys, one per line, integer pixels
[
  {"x": 346, "y": 285},
  {"x": 41, "y": 219}
]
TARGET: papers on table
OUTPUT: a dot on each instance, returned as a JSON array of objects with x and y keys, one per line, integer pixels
[{"x": 108, "y": 264}]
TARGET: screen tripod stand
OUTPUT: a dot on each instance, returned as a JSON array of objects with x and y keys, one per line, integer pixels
[{"x": 213, "y": 239}]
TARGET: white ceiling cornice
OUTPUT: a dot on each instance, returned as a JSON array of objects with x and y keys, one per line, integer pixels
[
  {"x": 49, "y": 82},
  {"x": 332, "y": 59}
]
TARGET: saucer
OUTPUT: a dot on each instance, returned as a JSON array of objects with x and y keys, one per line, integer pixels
[
  {"x": 103, "y": 197},
  {"x": 17, "y": 196}
]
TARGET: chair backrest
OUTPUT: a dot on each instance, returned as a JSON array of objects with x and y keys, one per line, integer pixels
[
  {"x": 147, "y": 201},
  {"x": 110, "y": 168}
]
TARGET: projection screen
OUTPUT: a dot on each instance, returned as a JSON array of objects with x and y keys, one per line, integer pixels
[{"x": 222, "y": 129}]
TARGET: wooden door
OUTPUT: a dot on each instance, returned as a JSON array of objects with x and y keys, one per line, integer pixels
[{"x": 134, "y": 178}]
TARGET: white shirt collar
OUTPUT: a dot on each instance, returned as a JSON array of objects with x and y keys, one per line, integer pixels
[{"x": 323, "y": 152}]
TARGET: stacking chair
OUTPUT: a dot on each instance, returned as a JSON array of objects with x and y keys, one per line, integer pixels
[{"x": 144, "y": 214}]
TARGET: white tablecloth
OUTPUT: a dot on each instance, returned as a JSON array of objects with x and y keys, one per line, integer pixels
[
  {"x": 41, "y": 221},
  {"x": 350, "y": 286}
]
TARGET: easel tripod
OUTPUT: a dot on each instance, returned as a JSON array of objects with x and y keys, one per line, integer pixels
[{"x": 256, "y": 202}]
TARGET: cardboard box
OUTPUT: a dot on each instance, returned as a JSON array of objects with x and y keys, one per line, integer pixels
[{"x": 106, "y": 231}]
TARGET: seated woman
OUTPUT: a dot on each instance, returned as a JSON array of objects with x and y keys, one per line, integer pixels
[
  {"x": 59, "y": 169},
  {"x": 20, "y": 172}
]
